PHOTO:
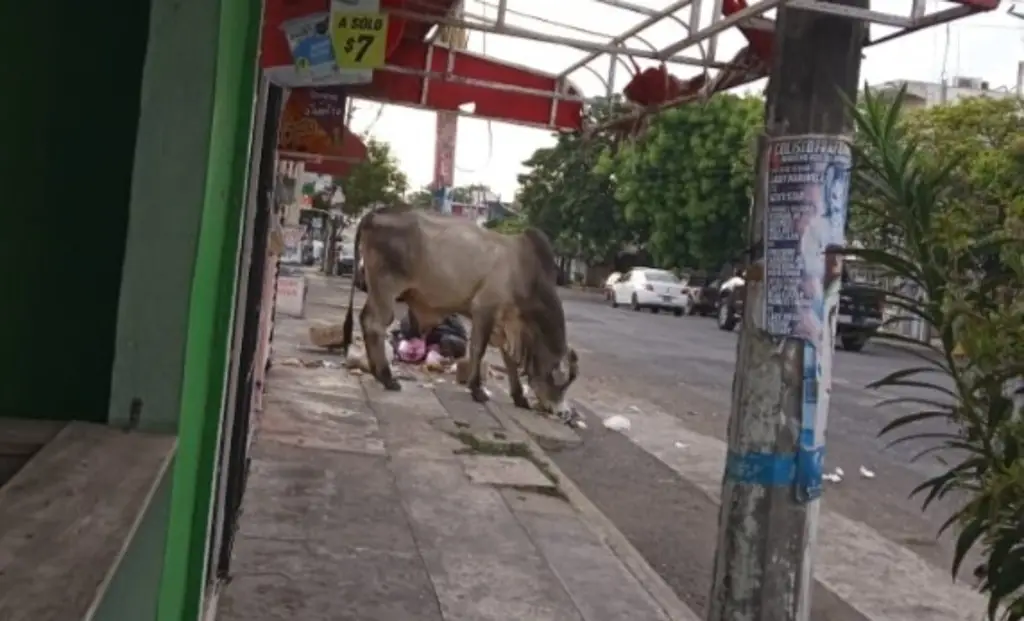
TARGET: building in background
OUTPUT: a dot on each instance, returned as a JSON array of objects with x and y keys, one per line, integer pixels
[{"x": 923, "y": 94}]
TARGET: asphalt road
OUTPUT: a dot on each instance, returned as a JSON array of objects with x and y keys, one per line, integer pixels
[{"x": 640, "y": 364}]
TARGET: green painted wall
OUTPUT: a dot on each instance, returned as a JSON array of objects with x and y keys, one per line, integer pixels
[
  {"x": 211, "y": 303},
  {"x": 68, "y": 120},
  {"x": 167, "y": 199},
  {"x": 133, "y": 591}
]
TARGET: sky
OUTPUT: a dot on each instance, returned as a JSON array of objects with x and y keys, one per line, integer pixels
[{"x": 986, "y": 46}]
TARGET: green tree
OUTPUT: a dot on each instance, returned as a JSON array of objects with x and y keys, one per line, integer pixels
[
  {"x": 689, "y": 181},
  {"x": 509, "y": 226},
  {"x": 422, "y": 198},
  {"x": 464, "y": 193},
  {"x": 984, "y": 138},
  {"x": 377, "y": 179},
  {"x": 566, "y": 196},
  {"x": 929, "y": 194}
]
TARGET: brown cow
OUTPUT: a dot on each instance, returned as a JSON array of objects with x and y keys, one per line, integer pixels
[{"x": 440, "y": 265}]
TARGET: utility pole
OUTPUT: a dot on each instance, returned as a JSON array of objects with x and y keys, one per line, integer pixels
[{"x": 768, "y": 518}]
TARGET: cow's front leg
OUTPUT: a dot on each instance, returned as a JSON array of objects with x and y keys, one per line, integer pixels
[
  {"x": 515, "y": 385},
  {"x": 483, "y": 325}
]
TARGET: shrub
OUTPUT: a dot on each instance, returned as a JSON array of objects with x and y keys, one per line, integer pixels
[{"x": 973, "y": 281}]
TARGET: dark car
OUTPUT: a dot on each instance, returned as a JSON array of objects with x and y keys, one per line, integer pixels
[
  {"x": 859, "y": 315},
  {"x": 704, "y": 292}
]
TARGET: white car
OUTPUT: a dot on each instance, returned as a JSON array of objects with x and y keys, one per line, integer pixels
[{"x": 646, "y": 287}]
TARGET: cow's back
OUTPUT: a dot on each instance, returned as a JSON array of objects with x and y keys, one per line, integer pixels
[{"x": 441, "y": 261}]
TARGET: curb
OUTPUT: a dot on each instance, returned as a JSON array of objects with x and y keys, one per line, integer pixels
[{"x": 656, "y": 587}]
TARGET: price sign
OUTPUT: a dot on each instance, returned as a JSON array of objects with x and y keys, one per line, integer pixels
[{"x": 360, "y": 39}]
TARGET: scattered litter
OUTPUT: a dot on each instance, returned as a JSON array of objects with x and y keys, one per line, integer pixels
[
  {"x": 434, "y": 361},
  {"x": 617, "y": 422},
  {"x": 355, "y": 371},
  {"x": 312, "y": 364},
  {"x": 633, "y": 408},
  {"x": 867, "y": 474},
  {"x": 573, "y": 419},
  {"x": 355, "y": 360},
  {"x": 412, "y": 350},
  {"x": 326, "y": 335},
  {"x": 681, "y": 445},
  {"x": 290, "y": 362},
  {"x": 836, "y": 476},
  {"x": 487, "y": 391}
]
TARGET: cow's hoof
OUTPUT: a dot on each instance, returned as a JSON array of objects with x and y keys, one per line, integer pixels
[
  {"x": 520, "y": 401},
  {"x": 479, "y": 395},
  {"x": 391, "y": 384}
]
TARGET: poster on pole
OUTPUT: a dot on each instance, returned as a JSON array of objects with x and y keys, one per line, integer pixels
[
  {"x": 805, "y": 223},
  {"x": 805, "y": 215}
]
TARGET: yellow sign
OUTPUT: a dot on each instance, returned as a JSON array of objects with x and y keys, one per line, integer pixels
[{"x": 360, "y": 39}]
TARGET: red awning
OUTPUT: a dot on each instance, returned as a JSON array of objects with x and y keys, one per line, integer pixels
[{"x": 417, "y": 74}]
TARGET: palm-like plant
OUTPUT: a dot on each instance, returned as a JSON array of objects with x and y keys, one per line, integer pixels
[{"x": 973, "y": 286}]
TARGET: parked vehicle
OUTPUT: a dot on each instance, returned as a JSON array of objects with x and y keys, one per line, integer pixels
[
  {"x": 859, "y": 314},
  {"x": 645, "y": 287},
  {"x": 609, "y": 283},
  {"x": 704, "y": 292},
  {"x": 345, "y": 259}
]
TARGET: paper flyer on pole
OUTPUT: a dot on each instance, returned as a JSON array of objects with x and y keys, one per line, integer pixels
[{"x": 805, "y": 218}]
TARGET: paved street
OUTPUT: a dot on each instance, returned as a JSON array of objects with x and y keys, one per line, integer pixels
[{"x": 659, "y": 481}]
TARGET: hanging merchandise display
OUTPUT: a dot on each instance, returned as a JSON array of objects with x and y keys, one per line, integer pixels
[
  {"x": 321, "y": 43},
  {"x": 313, "y": 131}
]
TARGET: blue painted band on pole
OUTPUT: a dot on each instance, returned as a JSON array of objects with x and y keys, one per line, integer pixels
[
  {"x": 810, "y": 466},
  {"x": 776, "y": 469}
]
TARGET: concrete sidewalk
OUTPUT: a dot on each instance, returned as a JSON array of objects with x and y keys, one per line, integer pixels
[{"x": 417, "y": 505}]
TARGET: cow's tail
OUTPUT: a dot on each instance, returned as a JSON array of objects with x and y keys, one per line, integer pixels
[{"x": 346, "y": 329}]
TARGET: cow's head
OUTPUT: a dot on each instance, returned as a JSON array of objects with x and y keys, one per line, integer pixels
[{"x": 550, "y": 380}]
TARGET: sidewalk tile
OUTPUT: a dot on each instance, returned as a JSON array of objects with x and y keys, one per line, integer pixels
[
  {"x": 483, "y": 565},
  {"x": 601, "y": 587},
  {"x": 288, "y": 581}
]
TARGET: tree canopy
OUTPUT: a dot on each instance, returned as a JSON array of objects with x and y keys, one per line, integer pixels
[
  {"x": 377, "y": 179},
  {"x": 689, "y": 181},
  {"x": 982, "y": 141},
  {"x": 682, "y": 189}
]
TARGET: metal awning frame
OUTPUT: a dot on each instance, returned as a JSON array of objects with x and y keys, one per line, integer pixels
[{"x": 700, "y": 34}]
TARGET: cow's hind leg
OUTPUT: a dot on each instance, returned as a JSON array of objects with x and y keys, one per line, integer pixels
[
  {"x": 483, "y": 326},
  {"x": 377, "y": 315},
  {"x": 515, "y": 385}
]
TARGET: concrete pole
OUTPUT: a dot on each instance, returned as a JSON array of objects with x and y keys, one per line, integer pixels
[{"x": 768, "y": 517}]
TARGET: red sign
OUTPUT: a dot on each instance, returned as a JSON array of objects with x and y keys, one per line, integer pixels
[
  {"x": 313, "y": 130},
  {"x": 444, "y": 149}
]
